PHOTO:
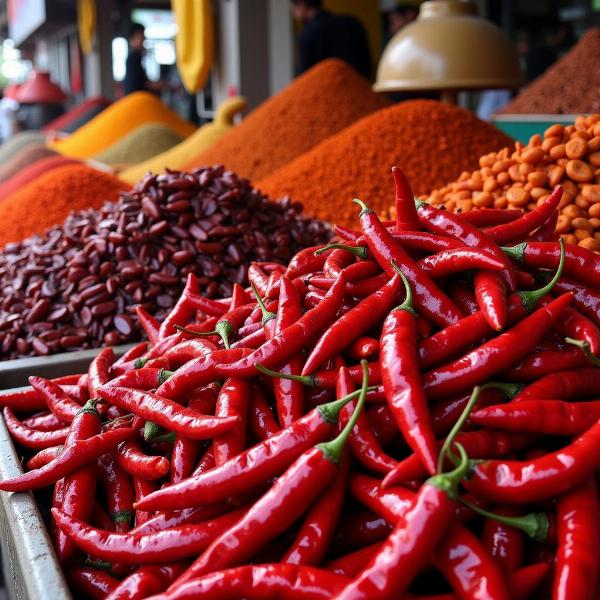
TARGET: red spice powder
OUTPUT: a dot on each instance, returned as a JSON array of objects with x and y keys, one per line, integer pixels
[{"x": 431, "y": 141}]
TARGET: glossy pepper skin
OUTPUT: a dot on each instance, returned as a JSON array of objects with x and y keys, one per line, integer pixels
[
  {"x": 99, "y": 371},
  {"x": 504, "y": 543},
  {"x": 250, "y": 468},
  {"x": 255, "y": 582},
  {"x": 406, "y": 213},
  {"x": 577, "y": 557},
  {"x": 120, "y": 494},
  {"x": 58, "y": 401},
  {"x": 490, "y": 293},
  {"x": 294, "y": 338},
  {"x": 168, "y": 414},
  {"x": 401, "y": 380},
  {"x": 519, "y": 482},
  {"x": 77, "y": 455},
  {"x": 407, "y": 549},
  {"x": 495, "y": 355},
  {"x": 32, "y": 438},
  {"x": 429, "y": 299},
  {"x": 233, "y": 401},
  {"x": 172, "y": 544}
]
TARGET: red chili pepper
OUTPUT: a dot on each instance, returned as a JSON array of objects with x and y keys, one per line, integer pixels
[
  {"x": 456, "y": 260},
  {"x": 159, "y": 349},
  {"x": 45, "y": 421},
  {"x": 80, "y": 453},
  {"x": 495, "y": 355},
  {"x": 408, "y": 548},
  {"x": 575, "y": 325},
  {"x": 142, "y": 466},
  {"x": 406, "y": 213},
  {"x": 318, "y": 528},
  {"x": 58, "y": 401},
  {"x": 142, "y": 487},
  {"x": 363, "y": 347},
  {"x": 292, "y": 339},
  {"x": 547, "y": 231},
  {"x": 402, "y": 380},
  {"x": 99, "y": 371},
  {"x": 167, "y": 413},
  {"x": 580, "y": 264},
  {"x": 350, "y": 565},
  {"x": 146, "y": 378},
  {"x": 252, "y": 467},
  {"x": 337, "y": 260},
  {"x": 289, "y": 395},
  {"x": 423, "y": 241},
  {"x": 260, "y": 416},
  {"x": 43, "y": 457},
  {"x": 143, "y": 548},
  {"x": 276, "y": 510},
  {"x": 544, "y": 362},
  {"x": 200, "y": 372},
  {"x": 120, "y": 494},
  {"x": 233, "y": 401},
  {"x": 32, "y": 438},
  {"x": 78, "y": 488},
  {"x": 360, "y": 528},
  {"x": 93, "y": 583},
  {"x": 363, "y": 443},
  {"x": 305, "y": 261},
  {"x": 429, "y": 299},
  {"x": 145, "y": 582},
  {"x": 490, "y": 293},
  {"x": 443, "y": 222},
  {"x": 522, "y": 227},
  {"x": 255, "y": 582},
  {"x": 548, "y": 417},
  {"x": 519, "y": 482},
  {"x": 564, "y": 385},
  {"x": 149, "y": 324},
  {"x": 489, "y": 217},
  {"x": 188, "y": 350},
  {"x": 481, "y": 444},
  {"x": 131, "y": 354},
  {"x": 354, "y": 323},
  {"x": 586, "y": 299},
  {"x": 576, "y": 574},
  {"x": 186, "y": 306},
  {"x": 504, "y": 542}
]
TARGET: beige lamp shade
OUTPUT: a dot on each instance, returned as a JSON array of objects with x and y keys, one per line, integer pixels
[{"x": 448, "y": 48}]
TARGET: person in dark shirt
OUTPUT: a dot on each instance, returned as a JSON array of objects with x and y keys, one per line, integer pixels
[
  {"x": 136, "y": 79},
  {"x": 325, "y": 35}
]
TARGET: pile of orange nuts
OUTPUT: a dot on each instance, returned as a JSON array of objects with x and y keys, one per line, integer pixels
[{"x": 565, "y": 155}]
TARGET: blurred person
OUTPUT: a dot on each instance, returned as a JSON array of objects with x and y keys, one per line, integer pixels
[
  {"x": 9, "y": 124},
  {"x": 325, "y": 35},
  {"x": 136, "y": 79},
  {"x": 399, "y": 18}
]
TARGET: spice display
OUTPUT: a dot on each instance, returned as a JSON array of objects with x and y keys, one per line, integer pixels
[
  {"x": 523, "y": 176},
  {"x": 22, "y": 159},
  {"x": 79, "y": 115},
  {"x": 33, "y": 171},
  {"x": 199, "y": 141},
  {"x": 418, "y": 135},
  {"x": 568, "y": 86},
  {"x": 19, "y": 142},
  {"x": 142, "y": 143},
  {"x": 319, "y": 103},
  {"x": 51, "y": 197},
  {"x": 190, "y": 470},
  {"x": 116, "y": 121},
  {"x": 78, "y": 284}
]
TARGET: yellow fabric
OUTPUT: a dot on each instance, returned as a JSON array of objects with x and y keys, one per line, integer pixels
[
  {"x": 86, "y": 22},
  {"x": 204, "y": 137},
  {"x": 194, "y": 41},
  {"x": 116, "y": 121}
]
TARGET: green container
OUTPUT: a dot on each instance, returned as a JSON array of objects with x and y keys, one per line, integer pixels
[{"x": 522, "y": 127}]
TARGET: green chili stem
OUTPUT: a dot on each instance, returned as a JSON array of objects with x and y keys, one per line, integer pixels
[
  {"x": 359, "y": 251},
  {"x": 534, "y": 524},
  {"x": 267, "y": 315},
  {"x": 408, "y": 300},
  {"x": 364, "y": 208},
  {"x": 450, "y": 481},
  {"x": 334, "y": 449},
  {"x": 151, "y": 430},
  {"x": 585, "y": 346}
]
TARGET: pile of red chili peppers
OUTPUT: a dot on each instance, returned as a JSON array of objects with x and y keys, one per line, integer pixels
[{"x": 412, "y": 412}]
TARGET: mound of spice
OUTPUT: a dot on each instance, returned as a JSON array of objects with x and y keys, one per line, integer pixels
[
  {"x": 23, "y": 158},
  {"x": 116, "y": 121},
  {"x": 523, "y": 177},
  {"x": 77, "y": 286},
  {"x": 19, "y": 142},
  {"x": 427, "y": 139},
  {"x": 79, "y": 115},
  {"x": 141, "y": 144},
  {"x": 32, "y": 172},
  {"x": 570, "y": 86},
  {"x": 48, "y": 199},
  {"x": 319, "y": 103}
]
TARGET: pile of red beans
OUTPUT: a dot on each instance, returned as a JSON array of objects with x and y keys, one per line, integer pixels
[{"x": 77, "y": 286}]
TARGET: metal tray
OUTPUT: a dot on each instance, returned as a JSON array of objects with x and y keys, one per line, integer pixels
[
  {"x": 30, "y": 568},
  {"x": 14, "y": 373}
]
